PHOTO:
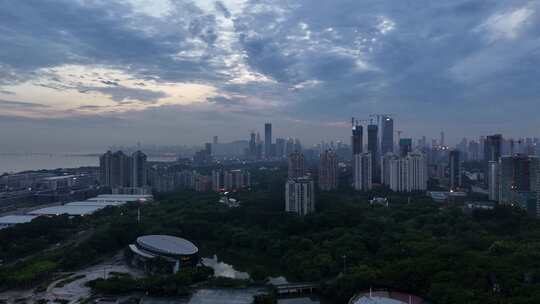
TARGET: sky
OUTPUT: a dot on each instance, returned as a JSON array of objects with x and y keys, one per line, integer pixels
[{"x": 80, "y": 75}]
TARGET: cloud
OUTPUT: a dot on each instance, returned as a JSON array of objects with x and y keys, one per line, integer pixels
[
  {"x": 121, "y": 93},
  {"x": 237, "y": 62},
  {"x": 20, "y": 104},
  {"x": 508, "y": 24}
]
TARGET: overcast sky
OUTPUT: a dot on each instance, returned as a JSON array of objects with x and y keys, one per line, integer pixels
[{"x": 82, "y": 75}]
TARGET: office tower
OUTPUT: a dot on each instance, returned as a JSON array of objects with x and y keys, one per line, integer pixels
[
  {"x": 296, "y": 165},
  {"x": 405, "y": 146},
  {"x": 518, "y": 178},
  {"x": 408, "y": 173},
  {"x": 268, "y": 140},
  {"x": 387, "y": 139},
  {"x": 362, "y": 172},
  {"x": 138, "y": 170},
  {"x": 280, "y": 147},
  {"x": 328, "y": 171},
  {"x": 300, "y": 195},
  {"x": 373, "y": 148},
  {"x": 493, "y": 180},
  {"x": 454, "y": 163},
  {"x": 215, "y": 140}
]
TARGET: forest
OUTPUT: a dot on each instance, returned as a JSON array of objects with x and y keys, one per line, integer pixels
[{"x": 413, "y": 245}]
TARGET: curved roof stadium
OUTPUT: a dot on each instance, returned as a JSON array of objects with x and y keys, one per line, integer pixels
[{"x": 166, "y": 245}]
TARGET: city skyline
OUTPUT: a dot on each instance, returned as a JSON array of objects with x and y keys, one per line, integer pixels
[{"x": 86, "y": 75}]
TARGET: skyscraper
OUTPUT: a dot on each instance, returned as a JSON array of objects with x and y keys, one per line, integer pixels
[
  {"x": 454, "y": 163},
  {"x": 296, "y": 165},
  {"x": 268, "y": 140},
  {"x": 359, "y": 164},
  {"x": 328, "y": 170},
  {"x": 300, "y": 196},
  {"x": 387, "y": 139},
  {"x": 373, "y": 149}
]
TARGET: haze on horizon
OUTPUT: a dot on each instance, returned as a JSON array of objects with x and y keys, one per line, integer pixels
[{"x": 84, "y": 75}]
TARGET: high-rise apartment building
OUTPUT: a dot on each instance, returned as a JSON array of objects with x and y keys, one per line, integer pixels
[
  {"x": 454, "y": 164},
  {"x": 227, "y": 180},
  {"x": 296, "y": 165},
  {"x": 300, "y": 195},
  {"x": 408, "y": 173},
  {"x": 280, "y": 147},
  {"x": 518, "y": 181},
  {"x": 118, "y": 170},
  {"x": 328, "y": 171},
  {"x": 362, "y": 172},
  {"x": 385, "y": 167},
  {"x": 493, "y": 180},
  {"x": 138, "y": 170}
]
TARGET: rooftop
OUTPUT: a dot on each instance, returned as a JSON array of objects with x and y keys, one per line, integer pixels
[
  {"x": 166, "y": 244},
  {"x": 16, "y": 219},
  {"x": 66, "y": 209}
]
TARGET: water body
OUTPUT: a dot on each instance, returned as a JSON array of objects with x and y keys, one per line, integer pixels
[{"x": 27, "y": 162}]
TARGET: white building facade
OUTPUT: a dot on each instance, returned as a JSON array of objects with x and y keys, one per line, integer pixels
[{"x": 300, "y": 195}]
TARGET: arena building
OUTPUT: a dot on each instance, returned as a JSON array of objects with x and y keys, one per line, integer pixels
[{"x": 177, "y": 251}]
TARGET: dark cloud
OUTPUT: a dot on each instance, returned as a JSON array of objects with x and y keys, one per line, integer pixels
[
  {"x": 435, "y": 62},
  {"x": 20, "y": 104},
  {"x": 220, "y": 7},
  {"x": 120, "y": 93}
]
